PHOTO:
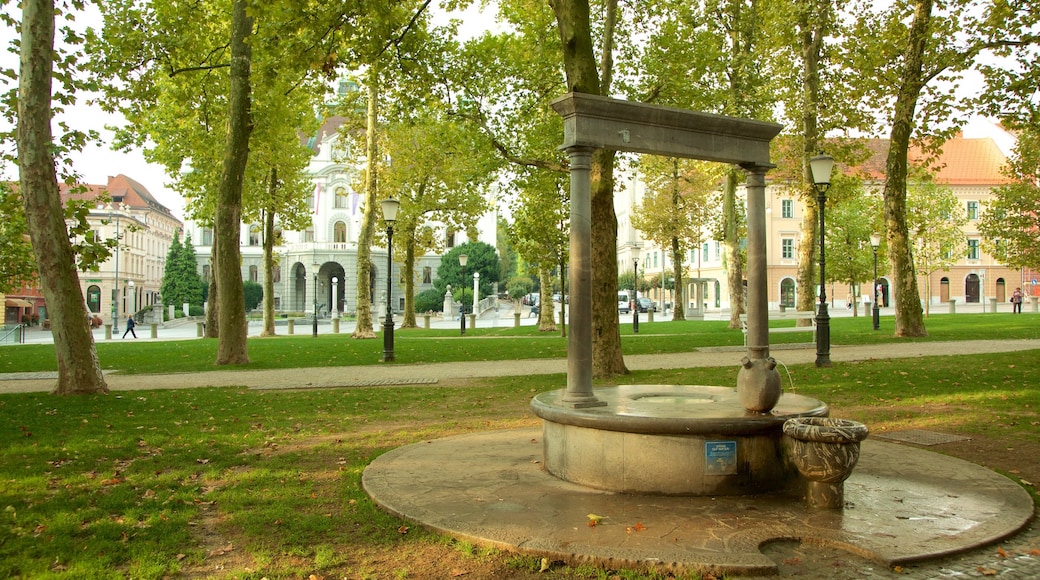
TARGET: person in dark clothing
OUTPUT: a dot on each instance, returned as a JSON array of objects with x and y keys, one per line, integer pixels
[{"x": 130, "y": 324}]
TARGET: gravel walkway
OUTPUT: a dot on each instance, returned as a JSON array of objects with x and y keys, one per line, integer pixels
[{"x": 403, "y": 373}]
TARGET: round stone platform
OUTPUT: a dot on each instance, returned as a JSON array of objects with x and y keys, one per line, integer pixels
[
  {"x": 903, "y": 505},
  {"x": 670, "y": 439}
]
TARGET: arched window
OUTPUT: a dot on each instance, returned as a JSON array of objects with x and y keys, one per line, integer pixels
[
  {"x": 253, "y": 274},
  {"x": 944, "y": 289},
  {"x": 340, "y": 232},
  {"x": 276, "y": 273}
]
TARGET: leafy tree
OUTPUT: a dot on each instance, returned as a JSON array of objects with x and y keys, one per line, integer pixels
[
  {"x": 181, "y": 281},
  {"x": 539, "y": 231},
  {"x": 18, "y": 267},
  {"x": 440, "y": 169},
  {"x": 935, "y": 221},
  {"x": 854, "y": 216},
  {"x": 675, "y": 214},
  {"x": 1013, "y": 215},
  {"x": 906, "y": 55},
  {"x": 481, "y": 258},
  {"x": 78, "y": 368}
]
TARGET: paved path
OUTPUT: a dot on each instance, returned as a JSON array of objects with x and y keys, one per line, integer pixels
[{"x": 398, "y": 373}]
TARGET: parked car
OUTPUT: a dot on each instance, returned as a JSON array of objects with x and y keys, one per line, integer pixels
[
  {"x": 645, "y": 304},
  {"x": 623, "y": 305}
]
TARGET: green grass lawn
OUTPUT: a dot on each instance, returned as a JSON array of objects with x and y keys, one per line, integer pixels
[
  {"x": 442, "y": 345},
  {"x": 154, "y": 484}
]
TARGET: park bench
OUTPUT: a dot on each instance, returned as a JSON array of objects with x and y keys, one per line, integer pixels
[{"x": 795, "y": 315}]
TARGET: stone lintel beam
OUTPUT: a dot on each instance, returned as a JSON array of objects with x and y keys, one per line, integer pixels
[{"x": 601, "y": 122}]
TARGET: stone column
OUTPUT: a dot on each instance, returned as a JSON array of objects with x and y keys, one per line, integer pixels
[
  {"x": 758, "y": 382},
  {"x": 579, "y": 342}
]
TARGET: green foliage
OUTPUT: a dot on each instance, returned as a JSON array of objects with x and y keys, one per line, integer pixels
[
  {"x": 254, "y": 294},
  {"x": 519, "y": 286},
  {"x": 431, "y": 300},
  {"x": 481, "y": 258},
  {"x": 181, "y": 281},
  {"x": 18, "y": 266},
  {"x": 852, "y": 217},
  {"x": 1013, "y": 215}
]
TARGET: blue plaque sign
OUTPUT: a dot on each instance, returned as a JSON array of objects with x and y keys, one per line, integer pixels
[{"x": 720, "y": 458}]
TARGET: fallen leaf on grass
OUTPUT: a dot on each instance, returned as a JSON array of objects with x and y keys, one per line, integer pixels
[
  {"x": 594, "y": 520},
  {"x": 402, "y": 530},
  {"x": 986, "y": 571},
  {"x": 457, "y": 573},
  {"x": 1002, "y": 552}
]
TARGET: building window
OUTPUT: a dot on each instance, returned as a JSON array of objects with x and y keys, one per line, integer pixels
[
  {"x": 973, "y": 210},
  {"x": 787, "y": 208},
  {"x": 340, "y": 232},
  {"x": 787, "y": 248},
  {"x": 718, "y": 250},
  {"x": 207, "y": 237},
  {"x": 205, "y": 273},
  {"x": 94, "y": 298},
  {"x": 341, "y": 198},
  {"x": 655, "y": 259},
  {"x": 704, "y": 252},
  {"x": 973, "y": 249},
  {"x": 449, "y": 238},
  {"x": 308, "y": 235},
  {"x": 253, "y": 274},
  {"x": 254, "y": 235},
  {"x": 427, "y": 275}
]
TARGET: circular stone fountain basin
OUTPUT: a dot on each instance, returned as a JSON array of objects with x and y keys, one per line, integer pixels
[{"x": 670, "y": 439}]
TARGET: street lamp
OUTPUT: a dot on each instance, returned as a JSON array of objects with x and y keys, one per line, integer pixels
[
  {"x": 635, "y": 288},
  {"x": 314, "y": 332},
  {"x": 462, "y": 302},
  {"x": 821, "y": 167},
  {"x": 390, "y": 207},
  {"x": 875, "y": 242}
]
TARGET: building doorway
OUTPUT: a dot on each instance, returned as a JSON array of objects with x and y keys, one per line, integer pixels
[
  {"x": 971, "y": 288},
  {"x": 944, "y": 289},
  {"x": 1001, "y": 290}
]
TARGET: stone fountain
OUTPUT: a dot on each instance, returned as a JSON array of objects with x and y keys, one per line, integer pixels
[
  {"x": 670, "y": 439},
  {"x": 686, "y": 476}
]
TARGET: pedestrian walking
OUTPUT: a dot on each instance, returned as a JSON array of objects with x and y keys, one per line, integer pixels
[
  {"x": 130, "y": 324},
  {"x": 1016, "y": 301}
]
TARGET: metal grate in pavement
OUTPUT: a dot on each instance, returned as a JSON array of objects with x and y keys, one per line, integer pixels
[
  {"x": 355, "y": 383},
  {"x": 920, "y": 437}
]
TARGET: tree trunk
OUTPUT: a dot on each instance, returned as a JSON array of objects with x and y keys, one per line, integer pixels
[
  {"x": 363, "y": 329},
  {"x": 79, "y": 371},
  {"x": 546, "y": 317},
  {"x": 212, "y": 318},
  {"x": 909, "y": 315},
  {"x": 232, "y": 347},
  {"x": 409, "y": 282},
  {"x": 572, "y": 19},
  {"x": 735, "y": 266},
  {"x": 679, "y": 311},
  {"x": 268, "y": 329},
  {"x": 811, "y": 27}
]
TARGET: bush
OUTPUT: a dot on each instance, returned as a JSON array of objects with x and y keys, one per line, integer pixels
[
  {"x": 429, "y": 300},
  {"x": 254, "y": 293},
  {"x": 196, "y": 310}
]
